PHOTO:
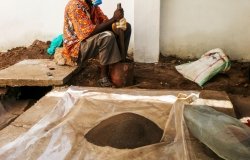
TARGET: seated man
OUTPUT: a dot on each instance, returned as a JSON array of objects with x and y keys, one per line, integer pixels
[{"x": 88, "y": 33}]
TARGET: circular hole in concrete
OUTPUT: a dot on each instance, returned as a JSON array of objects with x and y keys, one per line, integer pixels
[
  {"x": 51, "y": 68},
  {"x": 125, "y": 131},
  {"x": 49, "y": 74}
]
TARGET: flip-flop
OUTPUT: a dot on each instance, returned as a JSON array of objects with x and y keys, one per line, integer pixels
[{"x": 104, "y": 82}]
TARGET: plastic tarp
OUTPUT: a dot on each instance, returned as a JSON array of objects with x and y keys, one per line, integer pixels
[
  {"x": 60, "y": 133},
  {"x": 225, "y": 135},
  {"x": 202, "y": 70}
]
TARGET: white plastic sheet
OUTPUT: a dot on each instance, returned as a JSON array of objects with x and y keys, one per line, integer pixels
[{"x": 60, "y": 134}]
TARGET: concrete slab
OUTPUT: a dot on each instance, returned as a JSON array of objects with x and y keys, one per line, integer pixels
[
  {"x": 216, "y": 95},
  {"x": 218, "y": 100},
  {"x": 39, "y": 72}
]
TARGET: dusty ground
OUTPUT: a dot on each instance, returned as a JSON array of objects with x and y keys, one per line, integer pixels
[{"x": 152, "y": 76}]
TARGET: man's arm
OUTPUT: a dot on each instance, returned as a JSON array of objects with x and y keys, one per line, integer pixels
[{"x": 118, "y": 14}]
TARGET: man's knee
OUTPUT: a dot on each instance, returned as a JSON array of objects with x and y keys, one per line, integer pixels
[{"x": 107, "y": 37}]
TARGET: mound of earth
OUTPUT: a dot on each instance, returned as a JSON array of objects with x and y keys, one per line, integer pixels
[
  {"x": 125, "y": 131},
  {"x": 38, "y": 50}
]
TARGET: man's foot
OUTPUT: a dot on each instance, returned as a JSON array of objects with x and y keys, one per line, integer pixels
[{"x": 104, "y": 82}]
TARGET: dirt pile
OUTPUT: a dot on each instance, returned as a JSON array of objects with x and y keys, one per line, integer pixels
[
  {"x": 125, "y": 131},
  {"x": 38, "y": 50}
]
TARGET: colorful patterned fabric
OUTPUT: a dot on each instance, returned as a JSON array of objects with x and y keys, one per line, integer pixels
[{"x": 79, "y": 22}]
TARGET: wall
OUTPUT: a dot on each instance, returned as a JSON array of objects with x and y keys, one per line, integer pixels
[
  {"x": 192, "y": 27},
  {"x": 188, "y": 27},
  {"x": 147, "y": 31},
  {"x": 23, "y": 21}
]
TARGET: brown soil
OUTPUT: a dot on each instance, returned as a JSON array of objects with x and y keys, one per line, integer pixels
[
  {"x": 161, "y": 75},
  {"x": 36, "y": 51},
  {"x": 125, "y": 131}
]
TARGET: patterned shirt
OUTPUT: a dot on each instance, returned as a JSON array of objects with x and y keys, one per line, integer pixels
[{"x": 79, "y": 22}]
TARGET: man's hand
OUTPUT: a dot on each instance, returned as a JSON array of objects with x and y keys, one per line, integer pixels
[{"x": 118, "y": 14}]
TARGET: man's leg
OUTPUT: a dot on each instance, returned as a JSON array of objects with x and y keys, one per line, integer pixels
[
  {"x": 108, "y": 49},
  {"x": 105, "y": 45},
  {"x": 127, "y": 35},
  {"x": 123, "y": 40},
  {"x": 121, "y": 44}
]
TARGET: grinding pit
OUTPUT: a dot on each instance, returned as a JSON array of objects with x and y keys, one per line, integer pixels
[{"x": 54, "y": 128}]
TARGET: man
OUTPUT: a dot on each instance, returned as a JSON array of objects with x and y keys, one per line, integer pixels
[{"x": 88, "y": 33}]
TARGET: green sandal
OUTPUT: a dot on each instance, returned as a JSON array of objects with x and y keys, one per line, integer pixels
[{"x": 104, "y": 82}]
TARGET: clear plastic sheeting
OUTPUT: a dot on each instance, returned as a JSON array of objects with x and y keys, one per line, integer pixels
[
  {"x": 225, "y": 135},
  {"x": 60, "y": 133}
]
